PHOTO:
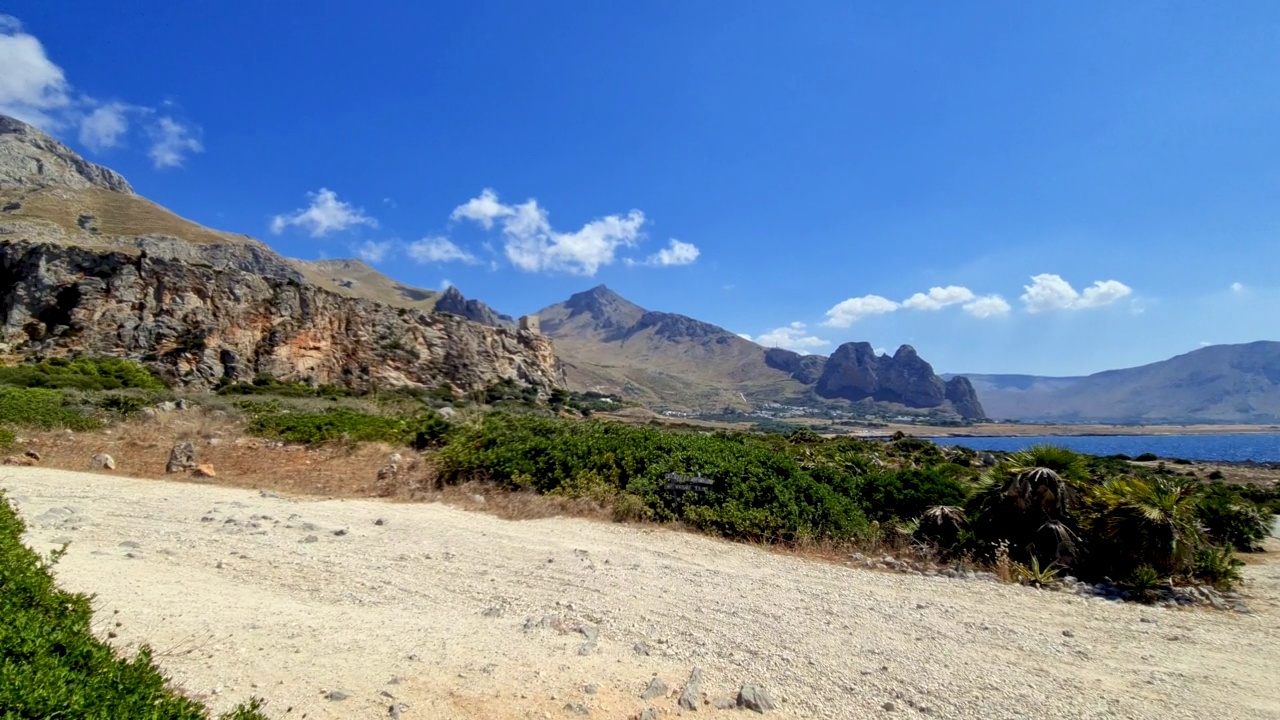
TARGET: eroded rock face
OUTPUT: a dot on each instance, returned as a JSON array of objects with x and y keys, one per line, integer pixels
[
  {"x": 855, "y": 372},
  {"x": 964, "y": 398},
  {"x": 196, "y": 323},
  {"x": 201, "y": 306},
  {"x": 29, "y": 158},
  {"x": 804, "y": 368}
]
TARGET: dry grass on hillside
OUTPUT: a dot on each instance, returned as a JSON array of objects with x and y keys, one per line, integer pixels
[
  {"x": 113, "y": 215},
  {"x": 366, "y": 283}
]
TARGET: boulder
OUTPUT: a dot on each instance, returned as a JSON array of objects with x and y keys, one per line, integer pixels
[
  {"x": 182, "y": 456},
  {"x": 102, "y": 461}
]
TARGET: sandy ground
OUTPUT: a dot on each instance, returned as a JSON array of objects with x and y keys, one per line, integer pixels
[{"x": 243, "y": 592}]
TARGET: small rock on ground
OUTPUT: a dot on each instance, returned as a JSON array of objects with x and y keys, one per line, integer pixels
[
  {"x": 656, "y": 689},
  {"x": 102, "y": 461},
  {"x": 754, "y": 697},
  {"x": 689, "y": 698}
]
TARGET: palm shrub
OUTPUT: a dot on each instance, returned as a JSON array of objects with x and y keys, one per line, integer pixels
[
  {"x": 1230, "y": 519},
  {"x": 1030, "y": 500},
  {"x": 1140, "y": 521}
]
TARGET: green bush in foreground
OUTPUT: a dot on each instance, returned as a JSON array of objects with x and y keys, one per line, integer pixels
[
  {"x": 52, "y": 666},
  {"x": 41, "y": 408},
  {"x": 81, "y": 374}
]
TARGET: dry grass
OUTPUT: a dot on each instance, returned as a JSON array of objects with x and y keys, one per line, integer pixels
[
  {"x": 114, "y": 215},
  {"x": 367, "y": 283}
]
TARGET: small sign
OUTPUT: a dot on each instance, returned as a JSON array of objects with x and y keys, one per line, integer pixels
[{"x": 686, "y": 483}]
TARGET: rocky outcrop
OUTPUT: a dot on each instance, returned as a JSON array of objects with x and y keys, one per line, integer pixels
[
  {"x": 31, "y": 159},
  {"x": 964, "y": 398},
  {"x": 198, "y": 324},
  {"x": 453, "y": 302},
  {"x": 855, "y": 372},
  {"x": 803, "y": 368},
  {"x": 201, "y": 306}
]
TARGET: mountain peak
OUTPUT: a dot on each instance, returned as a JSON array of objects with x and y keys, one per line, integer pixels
[{"x": 31, "y": 159}]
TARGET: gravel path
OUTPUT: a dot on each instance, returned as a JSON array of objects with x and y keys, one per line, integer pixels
[{"x": 299, "y": 600}]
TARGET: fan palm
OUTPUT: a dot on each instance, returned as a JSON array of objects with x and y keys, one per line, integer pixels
[
  {"x": 1151, "y": 521},
  {"x": 1029, "y": 500}
]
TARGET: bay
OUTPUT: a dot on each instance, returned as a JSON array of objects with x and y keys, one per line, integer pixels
[{"x": 1230, "y": 447}]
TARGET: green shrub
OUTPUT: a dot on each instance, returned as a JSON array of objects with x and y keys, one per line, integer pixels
[
  {"x": 1147, "y": 457},
  {"x": 267, "y": 384},
  {"x": 423, "y": 430},
  {"x": 1217, "y": 566},
  {"x": 7, "y": 439},
  {"x": 51, "y": 665},
  {"x": 1231, "y": 519},
  {"x": 82, "y": 373},
  {"x": 758, "y": 492},
  {"x": 907, "y": 494},
  {"x": 41, "y": 408}
]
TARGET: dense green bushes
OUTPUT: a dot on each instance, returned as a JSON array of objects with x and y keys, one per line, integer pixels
[
  {"x": 41, "y": 408},
  {"x": 765, "y": 487},
  {"x": 421, "y": 431},
  {"x": 81, "y": 374},
  {"x": 52, "y": 666}
]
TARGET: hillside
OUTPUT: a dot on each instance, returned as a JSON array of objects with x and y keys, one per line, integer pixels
[
  {"x": 89, "y": 266},
  {"x": 666, "y": 360},
  {"x": 1216, "y": 384}
]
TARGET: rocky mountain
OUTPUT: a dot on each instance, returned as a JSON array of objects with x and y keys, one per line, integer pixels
[
  {"x": 855, "y": 372},
  {"x": 609, "y": 343},
  {"x": 86, "y": 265},
  {"x": 453, "y": 302},
  {"x": 1215, "y": 384}
]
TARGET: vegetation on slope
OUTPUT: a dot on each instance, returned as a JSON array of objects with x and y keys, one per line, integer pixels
[
  {"x": 51, "y": 665},
  {"x": 1047, "y": 511}
]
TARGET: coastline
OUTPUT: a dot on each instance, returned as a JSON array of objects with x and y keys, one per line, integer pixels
[{"x": 1058, "y": 430}]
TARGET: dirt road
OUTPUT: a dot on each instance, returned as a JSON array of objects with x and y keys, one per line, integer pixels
[{"x": 292, "y": 599}]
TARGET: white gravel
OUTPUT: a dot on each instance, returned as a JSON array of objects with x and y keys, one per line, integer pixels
[{"x": 237, "y": 604}]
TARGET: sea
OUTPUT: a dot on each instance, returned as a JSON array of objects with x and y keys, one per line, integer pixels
[{"x": 1227, "y": 447}]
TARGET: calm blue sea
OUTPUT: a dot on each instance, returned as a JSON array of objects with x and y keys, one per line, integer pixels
[{"x": 1260, "y": 447}]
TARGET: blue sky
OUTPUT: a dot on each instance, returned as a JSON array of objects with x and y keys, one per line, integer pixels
[{"x": 1051, "y": 188}]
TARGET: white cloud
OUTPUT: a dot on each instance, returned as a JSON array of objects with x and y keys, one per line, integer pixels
[
  {"x": 373, "y": 252},
  {"x": 1237, "y": 288},
  {"x": 744, "y": 336},
  {"x": 483, "y": 209},
  {"x": 1205, "y": 343},
  {"x": 1049, "y": 292},
  {"x": 854, "y": 309},
  {"x": 438, "y": 250},
  {"x": 532, "y": 245},
  {"x": 32, "y": 88},
  {"x": 938, "y": 298},
  {"x": 326, "y": 214},
  {"x": 170, "y": 143},
  {"x": 792, "y": 337},
  {"x": 103, "y": 128},
  {"x": 675, "y": 253},
  {"x": 987, "y": 306},
  {"x": 445, "y": 284}
]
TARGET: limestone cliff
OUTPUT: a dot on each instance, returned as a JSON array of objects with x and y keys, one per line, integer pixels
[
  {"x": 855, "y": 372},
  {"x": 88, "y": 266}
]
